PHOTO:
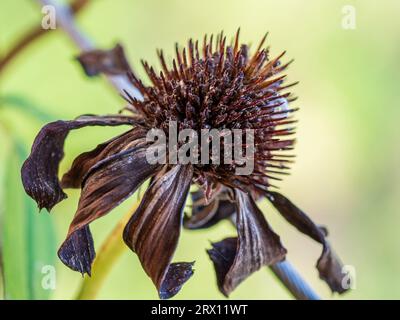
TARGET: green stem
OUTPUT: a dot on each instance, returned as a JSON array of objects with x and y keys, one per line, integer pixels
[{"x": 109, "y": 253}]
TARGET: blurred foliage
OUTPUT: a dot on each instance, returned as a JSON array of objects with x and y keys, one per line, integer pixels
[
  {"x": 28, "y": 239},
  {"x": 346, "y": 175}
]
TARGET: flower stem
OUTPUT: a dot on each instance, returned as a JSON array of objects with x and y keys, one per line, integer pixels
[
  {"x": 109, "y": 253},
  {"x": 293, "y": 282},
  {"x": 66, "y": 21}
]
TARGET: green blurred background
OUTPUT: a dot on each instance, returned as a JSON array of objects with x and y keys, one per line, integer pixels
[{"x": 346, "y": 174}]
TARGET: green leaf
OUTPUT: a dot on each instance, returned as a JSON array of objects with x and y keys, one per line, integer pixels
[{"x": 28, "y": 237}]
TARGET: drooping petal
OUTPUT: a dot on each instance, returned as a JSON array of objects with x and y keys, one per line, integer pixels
[
  {"x": 207, "y": 215},
  {"x": 40, "y": 171},
  {"x": 105, "y": 187},
  {"x": 81, "y": 165},
  {"x": 256, "y": 245},
  {"x": 328, "y": 265},
  {"x": 111, "y": 62},
  {"x": 78, "y": 252},
  {"x": 153, "y": 231}
]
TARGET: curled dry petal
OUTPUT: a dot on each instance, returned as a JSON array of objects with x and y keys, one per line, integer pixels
[
  {"x": 40, "y": 171},
  {"x": 106, "y": 186},
  {"x": 256, "y": 245},
  {"x": 78, "y": 252},
  {"x": 153, "y": 231},
  {"x": 111, "y": 62},
  {"x": 328, "y": 265},
  {"x": 81, "y": 165},
  {"x": 207, "y": 215}
]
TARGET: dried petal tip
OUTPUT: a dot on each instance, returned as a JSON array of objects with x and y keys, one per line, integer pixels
[
  {"x": 40, "y": 171},
  {"x": 112, "y": 62},
  {"x": 257, "y": 245},
  {"x": 329, "y": 265},
  {"x": 78, "y": 252},
  {"x": 222, "y": 254},
  {"x": 176, "y": 276}
]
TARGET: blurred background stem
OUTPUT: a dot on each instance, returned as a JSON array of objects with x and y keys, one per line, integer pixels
[{"x": 33, "y": 34}]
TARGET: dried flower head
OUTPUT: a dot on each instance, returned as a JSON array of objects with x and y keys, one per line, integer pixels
[
  {"x": 222, "y": 87},
  {"x": 217, "y": 86}
]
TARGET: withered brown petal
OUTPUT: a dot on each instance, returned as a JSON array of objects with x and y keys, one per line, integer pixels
[
  {"x": 153, "y": 230},
  {"x": 328, "y": 265},
  {"x": 81, "y": 165},
  {"x": 105, "y": 187},
  {"x": 256, "y": 245},
  {"x": 40, "y": 171},
  {"x": 207, "y": 215},
  {"x": 78, "y": 252},
  {"x": 111, "y": 61}
]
